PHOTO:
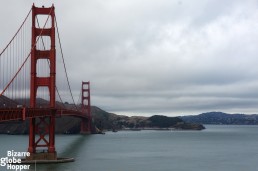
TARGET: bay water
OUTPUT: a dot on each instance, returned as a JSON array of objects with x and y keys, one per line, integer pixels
[{"x": 217, "y": 148}]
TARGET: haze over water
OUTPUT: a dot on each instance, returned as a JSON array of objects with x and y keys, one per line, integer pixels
[{"x": 223, "y": 148}]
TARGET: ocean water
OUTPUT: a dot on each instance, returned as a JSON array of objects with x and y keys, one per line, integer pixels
[{"x": 217, "y": 148}]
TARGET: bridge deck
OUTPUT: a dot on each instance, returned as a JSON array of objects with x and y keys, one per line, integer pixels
[{"x": 9, "y": 114}]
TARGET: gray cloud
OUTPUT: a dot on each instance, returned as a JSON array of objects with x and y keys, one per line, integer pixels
[{"x": 167, "y": 57}]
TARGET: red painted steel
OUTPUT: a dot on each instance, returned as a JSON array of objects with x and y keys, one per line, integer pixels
[
  {"x": 9, "y": 114},
  {"x": 86, "y": 110},
  {"x": 37, "y": 124}
]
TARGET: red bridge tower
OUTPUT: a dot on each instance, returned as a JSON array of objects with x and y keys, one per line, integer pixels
[
  {"x": 40, "y": 127},
  {"x": 86, "y": 124}
]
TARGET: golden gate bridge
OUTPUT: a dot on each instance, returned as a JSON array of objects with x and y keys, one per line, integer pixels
[{"x": 28, "y": 66}]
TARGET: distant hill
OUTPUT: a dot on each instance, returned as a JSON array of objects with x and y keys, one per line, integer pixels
[
  {"x": 109, "y": 121},
  {"x": 222, "y": 118},
  {"x": 6, "y": 102},
  {"x": 157, "y": 121}
]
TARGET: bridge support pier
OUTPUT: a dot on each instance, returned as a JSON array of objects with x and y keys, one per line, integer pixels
[
  {"x": 85, "y": 126},
  {"x": 42, "y": 156}
]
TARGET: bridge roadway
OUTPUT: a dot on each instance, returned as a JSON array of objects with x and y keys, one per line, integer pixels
[{"x": 9, "y": 114}]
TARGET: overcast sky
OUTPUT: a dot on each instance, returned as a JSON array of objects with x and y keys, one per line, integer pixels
[{"x": 145, "y": 57}]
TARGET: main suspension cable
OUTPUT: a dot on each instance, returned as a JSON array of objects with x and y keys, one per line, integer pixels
[
  {"x": 15, "y": 33},
  {"x": 64, "y": 63},
  {"x": 27, "y": 56}
]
